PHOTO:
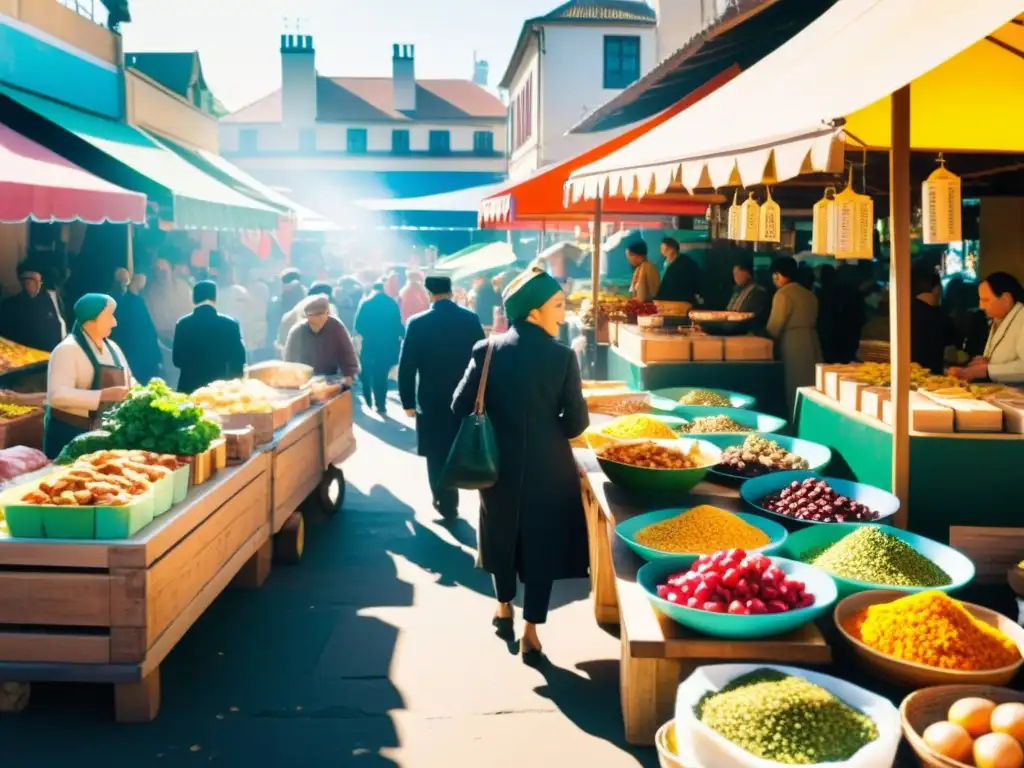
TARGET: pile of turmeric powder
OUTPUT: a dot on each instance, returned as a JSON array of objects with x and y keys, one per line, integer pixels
[{"x": 933, "y": 629}]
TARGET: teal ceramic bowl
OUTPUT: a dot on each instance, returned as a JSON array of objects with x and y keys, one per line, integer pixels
[
  {"x": 809, "y": 540},
  {"x": 818, "y": 583},
  {"x": 816, "y": 455},
  {"x": 659, "y": 481},
  {"x": 668, "y": 398},
  {"x": 628, "y": 529},
  {"x": 753, "y": 491},
  {"x": 752, "y": 420}
]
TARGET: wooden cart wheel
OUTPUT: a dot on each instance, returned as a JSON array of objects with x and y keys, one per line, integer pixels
[
  {"x": 333, "y": 478},
  {"x": 290, "y": 541},
  {"x": 14, "y": 696}
]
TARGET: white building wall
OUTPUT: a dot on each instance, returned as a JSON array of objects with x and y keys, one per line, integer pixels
[
  {"x": 572, "y": 83},
  {"x": 525, "y": 159}
]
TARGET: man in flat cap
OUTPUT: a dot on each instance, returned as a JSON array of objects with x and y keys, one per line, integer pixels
[{"x": 438, "y": 346}]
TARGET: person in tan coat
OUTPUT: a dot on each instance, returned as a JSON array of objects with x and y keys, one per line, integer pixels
[
  {"x": 646, "y": 280},
  {"x": 793, "y": 324}
]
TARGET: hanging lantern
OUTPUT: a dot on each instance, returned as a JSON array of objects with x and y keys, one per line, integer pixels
[
  {"x": 750, "y": 219},
  {"x": 854, "y": 221},
  {"x": 770, "y": 225},
  {"x": 733, "y": 232},
  {"x": 941, "y": 206},
  {"x": 823, "y": 225}
]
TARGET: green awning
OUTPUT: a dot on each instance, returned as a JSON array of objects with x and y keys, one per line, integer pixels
[
  {"x": 490, "y": 257},
  {"x": 143, "y": 164},
  {"x": 248, "y": 185}
]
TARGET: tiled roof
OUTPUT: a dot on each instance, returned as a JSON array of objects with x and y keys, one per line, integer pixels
[
  {"x": 371, "y": 99},
  {"x": 603, "y": 10},
  {"x": 632, "y": 13}
]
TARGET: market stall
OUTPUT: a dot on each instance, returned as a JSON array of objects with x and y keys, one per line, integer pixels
[{"x": 108, "y": 600}]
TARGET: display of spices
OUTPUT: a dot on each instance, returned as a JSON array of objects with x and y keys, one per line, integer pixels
[
  {"x": 758, "y": 456},
  {"x": 787, "y": 719},
  {"x": 709, "y": 424},
  {"x": 10, "y": 411},
  {"x": 702, "y": 530},
  {"x": 653, "y": 456},
  {"x": 705, "y": 397},
  {"x": 816, "y": 501},
  {"x": 873, "y": 556},
  {"x": 932, "y": 628},
  {"x": 636, "y": 426}
]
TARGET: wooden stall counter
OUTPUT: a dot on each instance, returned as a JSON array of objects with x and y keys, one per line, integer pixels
[
  {"x": 656, "y": 651},
  {"x": 111, "y": 611}
]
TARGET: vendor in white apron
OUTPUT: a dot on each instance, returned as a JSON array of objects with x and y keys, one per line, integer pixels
[{"x": 86, "y": 371}]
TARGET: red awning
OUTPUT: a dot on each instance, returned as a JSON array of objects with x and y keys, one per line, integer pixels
[
  {"x": 38, "y": 184},
  {"x": 540, "y": 199}
]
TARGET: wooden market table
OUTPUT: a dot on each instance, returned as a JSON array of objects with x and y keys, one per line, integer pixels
[
  {"x": 760, "y": 379},
  {"x": 656, "y": 651},
  {"x": 964, "y": 487},
  {"x": 111, "y": 611}
]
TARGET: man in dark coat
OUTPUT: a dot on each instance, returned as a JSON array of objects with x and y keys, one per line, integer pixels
[
  {"x": 379, "y": 323},
  {"x": 135, "y": 333},
  {"x": 681, "y": 279},
  {"x": 31, "y": 317},
  {"x": 438, "y": 346},
  {"x": 207, "y": 345},
  {"x": 748, "y": 296},
  {"x": 531, "y": 520}
]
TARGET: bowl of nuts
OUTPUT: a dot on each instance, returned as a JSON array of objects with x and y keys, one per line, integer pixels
[
  {"x": 658, "y": 466},
  {"x": 753, "y": 455}
]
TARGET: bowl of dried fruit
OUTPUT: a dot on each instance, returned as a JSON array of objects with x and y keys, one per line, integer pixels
[{"x": 658, "y": 466}]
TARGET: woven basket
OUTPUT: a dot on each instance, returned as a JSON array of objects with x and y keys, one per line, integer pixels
[
  {"x": 915, "y": 675},
  {"x": 929, "y": 705}
]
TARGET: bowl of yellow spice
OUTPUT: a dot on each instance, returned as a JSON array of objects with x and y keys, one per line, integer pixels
[
  {"x": 929, "y": 638},
  {"x": 684, "y": 535}
]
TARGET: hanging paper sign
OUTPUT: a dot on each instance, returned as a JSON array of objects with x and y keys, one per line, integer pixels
[
  {"x": 942, "y": 207},
  {"x": 750, "y": 219},
  {"x": 733, "y": 232},
  {"x": 770, "y": 225},
  {"x": 822, "y": 225},
  {"x": 854, "y": 220}
]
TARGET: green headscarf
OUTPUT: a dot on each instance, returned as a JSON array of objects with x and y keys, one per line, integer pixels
[
  {"x": 530, "y": 290},
  {"x": 91, "y": 306}
]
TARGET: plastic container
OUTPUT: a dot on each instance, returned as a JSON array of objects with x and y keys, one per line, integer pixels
[
  {"x": 816, "y": 455},
  {"x": 755, "y": 489},
  {"x": 674, "y": 394},
  {"x": 643, "y": 480},
  {"x": 628, "y": 529},
  {"x": 29, "y": 521},
  {"x": 818, "y": 583},
  {"x": 751, "y": 420},
  {"x": 163, "y": 494},
  {"x": 709, "y": 749},
  {"x": 181, "y": 483},
  {"x": 957, "y": 565}
]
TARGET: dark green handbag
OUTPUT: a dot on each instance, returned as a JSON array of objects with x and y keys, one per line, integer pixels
[{"x": 472, "y": 463}]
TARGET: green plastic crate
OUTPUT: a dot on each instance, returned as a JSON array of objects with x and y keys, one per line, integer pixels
[
  {"x": 182, "y": 476},
  {"x": 29, "y": 521},
  {"x": 163, "y": 494}
]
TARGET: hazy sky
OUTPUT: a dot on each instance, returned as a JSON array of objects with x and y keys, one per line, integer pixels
[{"x": 238, "y": 40}]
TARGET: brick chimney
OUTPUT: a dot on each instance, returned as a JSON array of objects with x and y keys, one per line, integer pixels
[
  {"x": 403, "y": 64},
  {"x": 298, "y": 80}
]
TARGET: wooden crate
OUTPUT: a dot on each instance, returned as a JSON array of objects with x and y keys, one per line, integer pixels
[
  {"x": 707, "y": 348},
  {"x": 650, "y": 346},
  {"x": 826, "y": 378},
  {"x": 749, "y": 348},
  {"x": 925, "y": 414},
  {"x": 297, "y": 466},
  {"x": 111, "y": 611},
  {"x": 240, "y": 444},
  {"x": 850, "y": 392},
  {"x": 1013, "y": 414},
  {"x": 655, "y": 651},
  {"x": 262, "y": 425},
  {"x": 994, "y": 551},
  {"x": 24, "y": 430},
  {"x": 871, "y": 400},
  {"x": 338, "y": 433},
  {"x": 972, "y": 415},
  {"x": 209, "y": 461}
]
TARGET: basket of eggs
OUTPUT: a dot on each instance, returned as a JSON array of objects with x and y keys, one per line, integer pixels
[{"x": 960, "y": 726}]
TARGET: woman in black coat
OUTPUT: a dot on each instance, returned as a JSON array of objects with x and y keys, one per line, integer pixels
[{"x": 531, "y": 521}]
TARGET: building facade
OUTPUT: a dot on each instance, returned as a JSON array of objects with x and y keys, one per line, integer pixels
[
  {"x": 334, "y": 140},
  {"x": 566, "y": 64}
]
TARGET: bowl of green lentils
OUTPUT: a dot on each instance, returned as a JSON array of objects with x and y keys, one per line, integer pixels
[
  {"x": 761, "y": 715},
  {"x": 860, "y": 557}
]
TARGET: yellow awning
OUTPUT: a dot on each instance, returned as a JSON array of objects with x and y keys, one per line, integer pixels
[{"x": 829, "y": 87}]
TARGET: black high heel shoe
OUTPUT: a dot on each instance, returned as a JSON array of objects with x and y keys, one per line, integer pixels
[
  {"x": 504, "y": 627},
  {"x": 532, "y": 657}
]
